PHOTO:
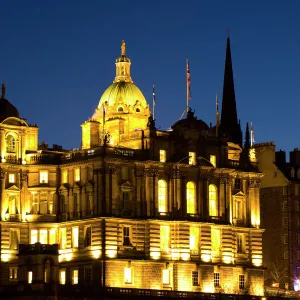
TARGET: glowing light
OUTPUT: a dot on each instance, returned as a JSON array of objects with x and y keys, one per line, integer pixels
[
  {"x": 155, "y": 255},
  {"x": 257, "y": 262},
  {"x": 297, "y": 285},
  {"x": 96, "y": 254},
  {"x": 5, "y": 257},
  {"x": 185, "y": 256},
  {"x": 111, "y": 253},
  {"x": 227, "y": 259},
  {"x": 208, "y": 288},
  {"x": 205, "y": 257}
]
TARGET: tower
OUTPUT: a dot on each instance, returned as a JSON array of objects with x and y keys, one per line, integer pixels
[{"x": 229, "y": 121}]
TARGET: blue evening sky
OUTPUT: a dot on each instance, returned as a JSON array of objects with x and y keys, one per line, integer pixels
[{"x": 57, "y": 58}]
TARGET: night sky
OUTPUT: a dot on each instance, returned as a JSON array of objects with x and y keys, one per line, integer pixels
[{"x": 57, "y": 58}]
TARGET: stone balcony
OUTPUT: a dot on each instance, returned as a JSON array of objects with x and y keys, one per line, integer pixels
[{"x": 38, "y": 248}]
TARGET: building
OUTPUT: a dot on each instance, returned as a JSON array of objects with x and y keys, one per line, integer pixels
[
  {"x": 136, "y": 207},
  {"x": 280, "y": 215}
]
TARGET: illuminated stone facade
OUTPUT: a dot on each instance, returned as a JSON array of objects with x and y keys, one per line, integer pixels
[{"x": 173, "y": 210}]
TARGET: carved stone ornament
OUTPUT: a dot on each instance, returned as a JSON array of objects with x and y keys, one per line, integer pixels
[
  {"x": 230, "y": 180},
  {"x": 252, "y": 183},
  {"x": 223, "y": 180},
  {"x": 24, "y": 177},
  {"x": 140, "y": 172},
  {"x": 151, "y": 172}
]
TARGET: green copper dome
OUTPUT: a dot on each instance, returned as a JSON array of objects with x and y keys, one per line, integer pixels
[{"x": 126, "y": 93}]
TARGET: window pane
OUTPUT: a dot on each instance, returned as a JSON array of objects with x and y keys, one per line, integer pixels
[
  {"x": 52, "y": 238},
  {"x": 212, "y": 200},
  {"x": 43, "y": 176},
  {"x": 190, "y": 198},
  {"x": 33, "y": 236},
  {"x": 44, "y": 236},
  {"x": 75, "y": 236},
  {"x": 162, "y": 196}
]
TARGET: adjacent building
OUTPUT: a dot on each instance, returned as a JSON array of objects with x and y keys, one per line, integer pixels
[{"x": 135, "y": 207}]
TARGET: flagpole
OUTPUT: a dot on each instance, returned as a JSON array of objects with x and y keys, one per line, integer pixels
[
  {"x": 217, "y": 116},
  {"x": 187, "y": 87},
  {"x": 153, "y": 101}
]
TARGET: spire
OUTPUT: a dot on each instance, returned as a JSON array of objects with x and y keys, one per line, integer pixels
[
  {"x": 3, "y": 90},
  {"x": 229, "y": 119}
]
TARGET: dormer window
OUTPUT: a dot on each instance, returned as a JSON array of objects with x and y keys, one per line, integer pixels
[{"x": 120, "y": 109}]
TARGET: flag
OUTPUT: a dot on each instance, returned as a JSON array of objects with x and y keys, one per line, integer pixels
[{"x": 188, "y": 81}]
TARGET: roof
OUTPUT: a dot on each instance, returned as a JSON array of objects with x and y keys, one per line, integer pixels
[{"x": 7, "y": 110}]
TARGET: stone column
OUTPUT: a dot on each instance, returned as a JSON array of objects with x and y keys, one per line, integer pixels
[
  {"x": 176, "y": 190},
  {"x": 222, "y": 196},
  {"x": 22, "y": 146},
  {"x": 205, "y": 198},
  {"x": 3, "y": 198},
  {"x": 2, "y": 145},
  {"x": 229, "y": 206},
  {"x": 155, "y": 191},
  {"x": 139, "y": 173},
  {"x": 23, "y": 196}
]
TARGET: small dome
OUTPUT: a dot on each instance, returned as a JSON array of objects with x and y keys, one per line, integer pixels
[
  {"x": 126, "y": 93},
  {"x": 122, "y": 58},
  {"x": 7, "y": 110}
]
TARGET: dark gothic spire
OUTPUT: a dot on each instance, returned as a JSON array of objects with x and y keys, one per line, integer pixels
[
  {"x": 247, "y": 138},
  {"x": 229, "y": 119}
]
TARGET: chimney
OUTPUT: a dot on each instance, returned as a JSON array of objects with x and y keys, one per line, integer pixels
[
  {"x": 280, "y": 157},
  {"x": 295, "y": 156}
]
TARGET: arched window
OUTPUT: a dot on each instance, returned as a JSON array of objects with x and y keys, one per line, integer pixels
[
  {"x": 120, "y": 109},
  {"x": 10, "y": 144},
  {"x": 162, "y": 196},
  {"x": 190, "y": 198},
  {"x": 212, "y": 191}
]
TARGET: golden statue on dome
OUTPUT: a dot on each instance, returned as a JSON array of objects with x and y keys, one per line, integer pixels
[{"x": 123, "y": 48}]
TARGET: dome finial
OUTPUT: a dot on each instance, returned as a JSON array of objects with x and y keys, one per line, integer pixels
[
  {"x": 123, "y": 48},
  {"x": 3, "y": 90}
]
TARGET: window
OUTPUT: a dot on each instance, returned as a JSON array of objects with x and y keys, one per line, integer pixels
[
  {"x": 43, "y": 236},
  {"x": 29, "y": 276},
  {"x": 192, "y": 158},
  {"x": 43, "y": 204},
  {"x": 137, "y": 110},
  {"x": 216, "y": 279},
  {"x": 162, "y": 155},
  {"x": 285, "y": 238},
  {"x": 88, "y": 274},
  {"x": 284, "y": 190},
  {"x": 33, "y": 236},
  {"x": 11, "y": 178},
  {"x": 75, "y": 276},
  {"x": 64, "y": 176},
  {"x": 213, "y": 160},
  {"x": 286, "y": 255},
  {"x": 120, "y": 109},
  {"x": 12, "y": 204},
  {"x": 241, "y": 282},
  {"x": 14, "y": 238},
  {"x": 128, "y": 274},
  {"x": 215, "y": 242},
  {"x": 237, "y": 184},
  {"x": 238, "y": 210},
  {"x": 240, "y": 243},
  {"x": 77, "y": 174},
  {"x": 47, "y": 272},
  {"x": 126, "y": 236},
  {"x": 212, "y": 193},
  {"x": 195, "y": 278},
  {"x": 75, "y": 236},
  {"x": 10, "y": 144},
  {"x": 284, "y": 205},
  {"x": 62, "y": 276},
  {"x": 162, "y": 196},
  {"x": 52, "y": 236},
  {"x": 191, "y": 198},
  {"x": 165, "y": 238},
  {"x": 296, "y": 205},
  {"x": 194, "y": 239},
  {"x": 63, "y": 238},
  {"x": 166, "y": 275},
  {"x": 44, "y": 176},
  {"x": 87, "y": 236},
  {"x": 13, "y": 273}
]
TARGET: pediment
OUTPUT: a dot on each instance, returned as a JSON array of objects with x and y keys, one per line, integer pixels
[
  {"x": 13, "y": 188},
  {"x": 239, "y": 194},
  {"x": 126, "y": 186},
  {"x": 64, "y": 187}
]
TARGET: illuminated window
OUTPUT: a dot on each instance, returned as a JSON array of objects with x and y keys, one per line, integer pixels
[
  {"x": 44, "y": 176},
  {"x": 52, "y": 236},
  {"x": 241, "y": 282},
  {"x": 213, "y": 160},
  {"x": 166, "y": 275},
  {"x": 62, "y": 276},
  {"x": 13, "y": 273},
  {"x": 14, "y": 238},
  {"x": 240, "y": 243},
  {"x": 77, "y": 174},
  {"x": 75, "y": 276},
  {"x": 194, "y": 239},
  {"x": 192, "y": 158},
  {"x": 212, "y": 190},
  {"x": 216, "y": 279},
  {"x": 35, "y": 203},
  {"x": 33, "y": 236},
  {"x": 87, "y": 236},
  {"x": 191, "y": 198},
  {"x": 10, "y": 144},
  {"x": 238, "y": 209},
  {"x": 63, "y": 238},
  {"x": 43, "y": 236},
  {"x": 29, "y": 277},
  {"x": 11, "y": 178},
  {"x": 162, "y": 155},
  {"x": 88, "y": 274},
  {"x": 12, "y": 204},
  {"x": 128, "y": 273},
  {"x": 64, "y": 176},
  {"x": 215, "y": 242},
  {"x": 126, "y": 236},
  {"x": 195, "y": 278},
  {"x": 162, "y": 196},
  {"x": 75, "y": 236},
  {"x": 165, "y": 242},
  {"x": 43, "y": 203}
]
